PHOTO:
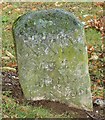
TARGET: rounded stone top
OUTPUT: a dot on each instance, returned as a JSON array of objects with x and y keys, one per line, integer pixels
[{"x": 46, "y": 21}]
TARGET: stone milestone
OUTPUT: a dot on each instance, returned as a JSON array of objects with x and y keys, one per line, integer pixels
[{"x": 52, "y": 58}]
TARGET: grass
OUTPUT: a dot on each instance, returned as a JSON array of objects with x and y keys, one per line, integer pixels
[
  {"x": 10, "y": 12},
  {"x": 93, "y": 37},
  {"x": 11, "y": 109}
]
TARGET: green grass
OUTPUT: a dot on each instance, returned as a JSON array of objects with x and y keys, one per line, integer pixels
[
  {"x": 93, "y": 37},
  {"x": 11, "y": 109}
]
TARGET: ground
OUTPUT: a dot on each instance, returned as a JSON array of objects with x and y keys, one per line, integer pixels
[
  {"x": 13, "y": 90},
  {"x": 91, "y": 14}
]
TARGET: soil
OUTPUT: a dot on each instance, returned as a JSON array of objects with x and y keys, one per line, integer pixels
[{"x": 10, "y": 82}]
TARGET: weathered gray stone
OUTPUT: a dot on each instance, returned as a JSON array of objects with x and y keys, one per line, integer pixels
[{"x": 52, "y": 58}]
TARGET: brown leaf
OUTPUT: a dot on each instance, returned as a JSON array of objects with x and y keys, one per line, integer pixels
[
  {"x": 101, "y": 4},
  {"x": 12, "y": 64},
  {"x": 90, "y": 48}
]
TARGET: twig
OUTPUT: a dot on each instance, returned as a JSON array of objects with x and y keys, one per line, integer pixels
[{"x": 91, "y": 116}]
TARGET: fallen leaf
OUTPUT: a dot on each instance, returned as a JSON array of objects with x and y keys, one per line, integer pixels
[
  {"x": 94, "y": 87},
  {"x": 5, "y": 58},
  {"x": 34, "y": 8},
  {"x": 94, "y": 57},
  {"x": 9, "y": 54},
  {"x": 15, "y": 78},
  {"x": 95, "y": 17},
  {"x": 11, "y": 64},
  {"x": 101, "y": 55},
  {"x": 17, "y": 9},
  {"x": 90, "y": 48},
  {"x": 98, "y": 81},
  {"x": 8, "y": 68},
  {"x": 100, "y": 4},
  {"x": 58, "y": 4}
]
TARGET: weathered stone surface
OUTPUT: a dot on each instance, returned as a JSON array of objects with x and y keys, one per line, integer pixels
[{"x": 52, "y": 57}]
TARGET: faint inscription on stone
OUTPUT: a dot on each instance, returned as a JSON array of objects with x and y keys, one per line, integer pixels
[{"x": 52, "y": 57}]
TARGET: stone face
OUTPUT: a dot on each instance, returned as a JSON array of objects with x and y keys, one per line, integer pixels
[{"x": 52, "y": 58}]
